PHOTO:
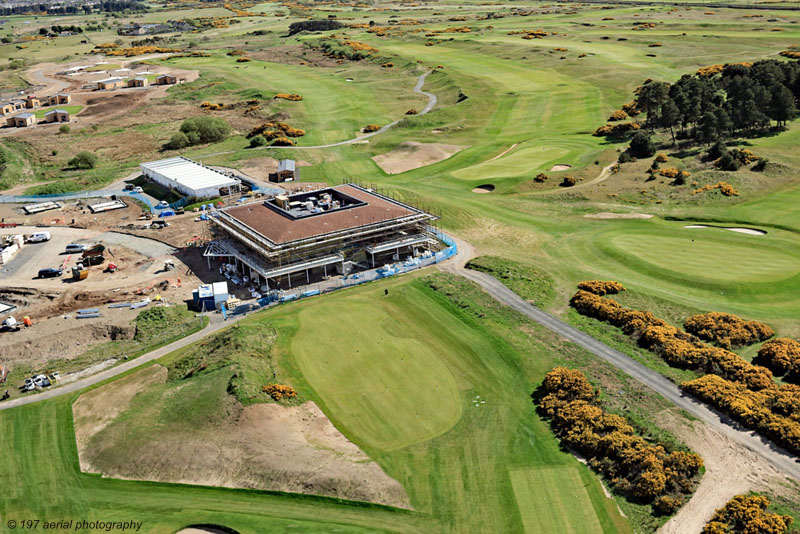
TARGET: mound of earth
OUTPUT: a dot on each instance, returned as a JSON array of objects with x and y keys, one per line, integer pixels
[
  {"x": 412, "y": 155},
  {"x": 261, "y": 446}
]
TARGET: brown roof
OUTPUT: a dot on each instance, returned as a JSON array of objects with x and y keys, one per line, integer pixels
[{"x": 281, "y": 229}]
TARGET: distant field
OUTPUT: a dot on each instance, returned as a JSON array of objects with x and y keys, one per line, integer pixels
[{"x": 553, "y": 499}]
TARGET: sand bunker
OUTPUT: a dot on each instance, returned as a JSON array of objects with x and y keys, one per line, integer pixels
[
  {"x": 485, "y": 188},
  {"x": 609, "y": 215},
  {"x": 741, "y": 230},
  {"x": 412, "y": 155},
  {"x": 561, "y": 167}
]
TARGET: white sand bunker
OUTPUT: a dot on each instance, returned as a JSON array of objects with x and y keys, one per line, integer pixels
[
  {"x": 483, "y": 189},
  {"x": 561, "y": 167},
  {"x": 609, "y": 215},
  {"x": 741, "y": 230},
  {"x": 412, "y": 155}
]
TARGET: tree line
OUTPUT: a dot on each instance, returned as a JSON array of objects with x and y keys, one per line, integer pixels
[{"x": 721, "y": 101}]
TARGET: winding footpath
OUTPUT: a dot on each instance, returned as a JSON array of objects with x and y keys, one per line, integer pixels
[
  {"x": 774, "y": 455},
  {"x": 432, "y": 100}
]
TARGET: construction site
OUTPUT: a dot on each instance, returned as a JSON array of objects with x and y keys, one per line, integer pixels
[{"x": 290, "y": 240}]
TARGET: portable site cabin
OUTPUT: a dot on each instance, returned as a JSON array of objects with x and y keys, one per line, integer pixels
[
  {"x": 287, "y": 172},
  {"x": 23, "y": 120},
  {"x": 166, "y": 79},
  {"x": 60, "y": 98},
  {"x": 32, "y": 102},
  {"x": 109, "y": 84},
  {"x": 210, "y": 296},
  {"x": 139, "y": 81},
  {"x": 56, "y": 115}
]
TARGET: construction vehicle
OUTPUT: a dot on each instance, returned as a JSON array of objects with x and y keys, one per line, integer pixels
[
  {"x": 93, "y": 255},
  {"x": 169, "y": 265},
  {"x": 111, "y": 267},
  {"x": 79, "y": 272}
]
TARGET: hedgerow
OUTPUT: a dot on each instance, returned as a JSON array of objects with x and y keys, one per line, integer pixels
[{"x": 639, "y": 470}]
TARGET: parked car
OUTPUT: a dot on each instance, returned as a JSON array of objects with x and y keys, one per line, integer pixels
[
  {"x": 159, "y": 224},
  {"x": 29, "y": 385},
  {"x": 39, "y": 237},
  {"x": 75, "y": 248},
  {"x": 138, "y": 190},
  {"x": 49, "y": 273},
  {"x": 55, "y": 376},
  {"x": 128, "y": 187},
  {"x": 162, "y": 204},
  {"x": 41, "y": 381}
]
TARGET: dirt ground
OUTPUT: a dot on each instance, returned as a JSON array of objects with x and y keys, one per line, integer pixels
[
  {"x": 730, "y": 470},
  {"x": 262, "y": 446},
  {"x": 260, "y": 168},
  {"x": 412, "y": 155},
  {"x": 295, "y": 55}
]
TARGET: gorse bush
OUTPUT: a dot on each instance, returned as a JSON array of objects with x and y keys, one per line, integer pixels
[
  {"x": 639, "y": 470},
  {"x": 601, "y": 287},
  {"x": 747, "y": 514},
  {"x": 727, "y": 330},
  {"x": 781, "y": 356}
]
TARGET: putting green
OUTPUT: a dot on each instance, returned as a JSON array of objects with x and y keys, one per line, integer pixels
[
  {"x": 694, "y": 256},
  {"x": 554, "y": 499},
  {"x": 386, "y": 389},
  {"x": 519, "y": 161}
]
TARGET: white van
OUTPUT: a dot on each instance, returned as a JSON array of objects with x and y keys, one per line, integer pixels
[
  {"x": 74, "y": 248},
  {"x": 39, "y": 237}
]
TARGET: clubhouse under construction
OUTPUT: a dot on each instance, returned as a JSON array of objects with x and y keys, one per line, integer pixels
[{"x": 296, "y": 239}]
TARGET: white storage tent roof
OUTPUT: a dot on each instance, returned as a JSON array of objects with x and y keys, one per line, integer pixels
[{"x": 187, "y": 175}]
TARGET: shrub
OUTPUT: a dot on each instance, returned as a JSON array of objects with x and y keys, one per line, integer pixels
[
  {"x": 258, "y": 141},
  {"x": 625, "y": 157},
  {"x": 64, "y": 129},
  {"x": 601, "y": 287},
  {"x": 745, "y": 156},
  {"x": 83, "y": 160},
  {"x": 642, "y": 145},
  {"x": 781, "y": 356},
  {"x": 727, "y": 162},
  {"x": 283, "y": 141},
  {"x": 540, "y": 178},
  {"x": 745, "y": 514},
  {"x": 620, "y": 129},
  {"x": 242, "y": 60},
  {"x": 177, "y": 141},
  {"x": 640, "y": 470},
  {"x": 568, "y": 181},
  {"x": 717, "y": 150},
  {"x": 289, "y": 96},
  {"x": 618, "y": 115},
  {"x": 205, "y": 130},
  {"x": 279, "y": 391},
  {"x": 372, "y": 127},
  {"x": 411, "y": 111},
  {"x": 662, "y": 158},
  {"x": 724, "y": 187},
  {"x": 727, "y": 330}
]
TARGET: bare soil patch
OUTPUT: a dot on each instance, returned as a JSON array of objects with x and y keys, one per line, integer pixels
[
  {"x": 260, "y": 168},
  {"x": 412, "y": 155},
  {"x": 262, "y": 446},
  {"x": 294, "y": 55},
  {"x": 609, "y": 215},
  {"x": 730, "y": 470}
]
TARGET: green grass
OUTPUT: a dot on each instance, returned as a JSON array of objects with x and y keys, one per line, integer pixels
[
  {"x": 390, "y": 383},
  {"x": 552, "y": 499},
  {"x": 72, "y": 110}
]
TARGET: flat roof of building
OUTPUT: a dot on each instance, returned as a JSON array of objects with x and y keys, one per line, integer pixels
[
  {"x": 109, "y": 80},
  {"x": 189, "y": 174},
  {"x": 280, "y": 228},
  {"x": 24, "y": 116}
]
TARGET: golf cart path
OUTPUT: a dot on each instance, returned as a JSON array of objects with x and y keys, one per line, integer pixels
[
  {"x": 774, "y": 455},
  {"x": 432, "y": 100}
]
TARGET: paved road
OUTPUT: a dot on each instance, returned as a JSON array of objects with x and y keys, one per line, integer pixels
[
  {"x": 432, "y": 100},
  {"x": 119, "y": 369},
  {"x": 779, "y": 458}
]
